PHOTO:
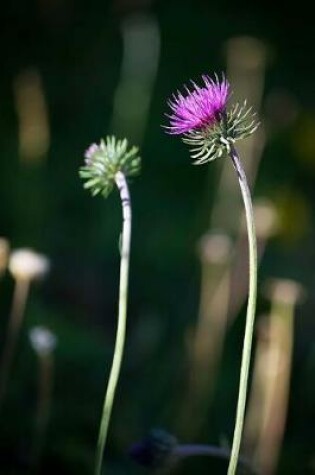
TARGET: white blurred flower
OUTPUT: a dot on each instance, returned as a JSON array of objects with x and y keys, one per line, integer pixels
[
  {"x": 42, "y": 340},
  {"x": 285, "y": 291},
  {"x": 27, "y": 264},
  {"x": 215, "y": 247}
]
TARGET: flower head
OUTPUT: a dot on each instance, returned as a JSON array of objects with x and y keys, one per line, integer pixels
[
  {"x": 104, "y": 161},
  {"x": 202, "y": 118},
  {"x": 26, "y": 264},
  {"x": 200, "y": 108}
]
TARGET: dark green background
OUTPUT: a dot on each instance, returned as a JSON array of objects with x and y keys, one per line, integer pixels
[{"x": 77, "y": 48}]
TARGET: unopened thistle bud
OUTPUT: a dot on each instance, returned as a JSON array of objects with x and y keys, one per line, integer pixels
[
  {"x": 104, "y": 161},
  {"x": 155, "y": 450},
  {"x": 201, "y": 117}
]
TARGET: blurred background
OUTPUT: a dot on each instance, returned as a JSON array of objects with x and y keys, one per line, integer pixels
[{"x": 71, "y": 73}]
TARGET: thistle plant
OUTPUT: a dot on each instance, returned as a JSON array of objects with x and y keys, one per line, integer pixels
[
  {"x": 107, "y": 165},
  {"x": 203, "y": 120}
]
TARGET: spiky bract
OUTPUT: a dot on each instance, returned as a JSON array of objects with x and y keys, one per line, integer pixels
[
  {"x": 103, "y": 161},
  {"x": 215, "y": 141},
  {"x": 202, "y": 119}
]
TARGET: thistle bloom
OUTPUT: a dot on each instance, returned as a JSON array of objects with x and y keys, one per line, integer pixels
[
  {"x": 206, "y": 124},
  {"x": 202, "y": 118},
  {"x": 200, "y": 108}
]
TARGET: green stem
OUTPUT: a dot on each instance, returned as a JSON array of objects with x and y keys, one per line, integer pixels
[
  {"x": 250, "y": 315},
  {"x": 195, "y": 450},
  {"x": 122, "y": 316}
]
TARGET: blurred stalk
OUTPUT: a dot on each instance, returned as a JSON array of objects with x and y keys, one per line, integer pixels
[
  {"x": 43, "y": 342},
  {"x": 20, "y": 295},
  {"x": 275, "y": 371},
  {"x": 141, "y": 51},
  {"x": 25, "y": 265},
  {"x": 4, "y": 255},
  {"x": 214, "y": 250},
  {"x": 228, "y": 296},
  {"x": 215, "y": 258},
  {"x": 45, "y": 384},
  {"x": 31, "y": 108}
]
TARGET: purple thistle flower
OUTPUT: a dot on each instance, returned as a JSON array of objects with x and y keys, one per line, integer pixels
[
  {"x": 202, "y": 119},
  {"x": 200, "y": 108}
]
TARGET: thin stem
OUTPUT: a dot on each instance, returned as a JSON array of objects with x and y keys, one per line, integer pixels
[
  {"x": 250, "y": 315},
  {"x": 122, "y": 316},
  {"x": 15, "y": 320},
  {"x": 193, "y": 450}
]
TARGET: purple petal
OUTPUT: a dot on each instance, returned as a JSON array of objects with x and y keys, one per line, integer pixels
[{"x": 199, "y": 108}]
